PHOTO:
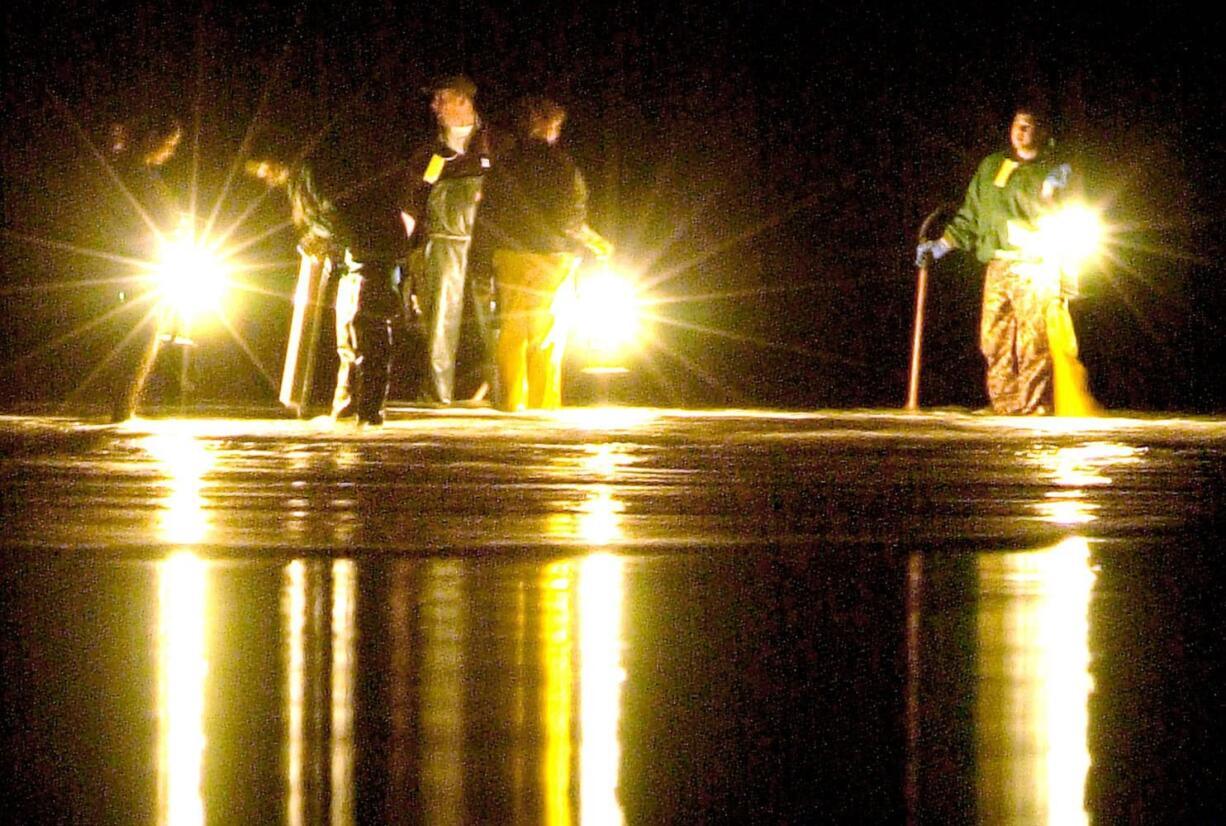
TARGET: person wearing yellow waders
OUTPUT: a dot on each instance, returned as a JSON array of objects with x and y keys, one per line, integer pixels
[
  {"x": 1010, "y": 190},
  {"x": 534, "y": 217}
]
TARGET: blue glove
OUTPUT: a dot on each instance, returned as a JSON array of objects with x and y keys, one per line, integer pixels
[
  {"x": 930, "y": 251},
  {"x": 1057, "y": 180}
]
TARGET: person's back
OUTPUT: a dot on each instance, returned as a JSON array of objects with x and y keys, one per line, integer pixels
[{"x": 535, "y": 200}]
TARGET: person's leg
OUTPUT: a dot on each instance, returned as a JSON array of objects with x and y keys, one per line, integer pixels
[
  {"x": 511, "y": 271},
  {"x": 140, "y": 353},
  {"x": 446, "y": 260},
  {"x": 1034, "y": 367},
  {"x": 348, "y": 290},
  {"x": 481, "y": 294},
  {"x": 549, "y": 332},
  {"x": 374, "y": 366},
  {"x": 997, "y": 335}
]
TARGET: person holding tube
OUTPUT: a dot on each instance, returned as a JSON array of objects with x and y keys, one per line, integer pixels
[
  {"x": 534, "y": 218},
  {"x": 362, "y": 236},
  {"x": 1009, "y": 191}
]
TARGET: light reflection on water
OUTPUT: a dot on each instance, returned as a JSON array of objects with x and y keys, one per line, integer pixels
[
  {"x": 182, "y": 595},
  {"x": 1074, "y": 468},
  {"x": 1034, "y": 659},
  {"x": 509, "y": 680}
]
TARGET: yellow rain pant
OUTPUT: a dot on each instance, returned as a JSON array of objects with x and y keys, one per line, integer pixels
[
  {"x": 1070, "y": 384},
  {"x": 532, "y": 336}
]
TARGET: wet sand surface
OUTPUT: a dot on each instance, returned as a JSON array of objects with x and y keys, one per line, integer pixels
[{"x": 622, "y": 615}]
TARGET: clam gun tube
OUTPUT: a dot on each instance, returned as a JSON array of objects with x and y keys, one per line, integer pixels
[{"x": 298, "y": 375}]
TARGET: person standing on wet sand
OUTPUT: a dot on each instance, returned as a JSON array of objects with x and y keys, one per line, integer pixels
[
  {"x": 447, "y": 175},
  {"x": 365, "y": 238},
  {"x": 140, "y": 150},
  {"x": 534, "y": 218},
  {"x": 1009, "y": 188}
]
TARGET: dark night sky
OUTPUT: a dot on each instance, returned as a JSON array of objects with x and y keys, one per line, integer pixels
[{"x": 774, "y": 160}]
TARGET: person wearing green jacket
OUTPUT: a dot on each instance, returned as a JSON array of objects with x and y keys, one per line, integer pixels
[{"x": 1009, "y": 191}]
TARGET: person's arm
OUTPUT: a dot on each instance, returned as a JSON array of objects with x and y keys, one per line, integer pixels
[
  {"x": 576, "y": 220},
  {"x": 963, "y": 229}
]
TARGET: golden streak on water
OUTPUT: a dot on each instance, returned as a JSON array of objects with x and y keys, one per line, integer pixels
[
  {"x": 184, "y": 520},
  {"x": 443, "y": 670},
  {"x": 294, "y": 603},
  {"x": 1033, "y": 708},
  {"x": 1073, "y": 470},
  {"x": 557, "y": 654},
  {"x": 601, "y": 595},
  {"x": 343, "y": 663},
  {"x": 183, "y": 669}
]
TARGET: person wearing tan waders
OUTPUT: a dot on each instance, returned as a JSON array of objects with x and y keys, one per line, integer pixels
[{"x": 1010, "y": 191}]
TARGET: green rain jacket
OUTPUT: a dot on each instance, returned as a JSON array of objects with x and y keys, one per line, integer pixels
[{"x": 1004, "y": 189}]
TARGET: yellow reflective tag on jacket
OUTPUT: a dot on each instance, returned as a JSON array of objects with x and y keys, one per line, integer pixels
[
  {"x": 433, "y": 169},
  {"x": 1006, "y": 169}
]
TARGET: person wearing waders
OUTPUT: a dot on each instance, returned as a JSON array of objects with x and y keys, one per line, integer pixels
[
  {"x": 363, "y": 236},
  {"x": 446, "y": 175},
  {"x": 1009, "y": 187},
  {"x": 321, "y": 244},
  {"x": 535, "y": 221}
]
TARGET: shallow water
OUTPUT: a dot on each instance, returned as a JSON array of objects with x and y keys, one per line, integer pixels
[{"x": 605, "y": 616}]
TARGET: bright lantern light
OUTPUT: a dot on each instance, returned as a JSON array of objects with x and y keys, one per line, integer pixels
[
  {"x": 1061, "y": 243},
  {"x": 1070, "y": 235},
  {"x": 609, "y": 314},
  {"x": 191, "y": 275}
]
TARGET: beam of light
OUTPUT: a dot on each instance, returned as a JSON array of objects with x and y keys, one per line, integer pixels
[
  {"x": 294, "y": 606},
  {"x": 601, "y": 676},
  {"x": 182, "y": 591},
  {"x": 608, "y": 318},
  {"x": 193, "y": 276},
  {"x": 344, "y": 594},
  {"x": 443, "y": 721},
  {"x": 185, "y": 462},
  {"x": 557, "y": 696},
  {"x": 1059, "y": 245},
  {"x": 1074, "y": 469},
  {"x": 1032, "y": 712}
]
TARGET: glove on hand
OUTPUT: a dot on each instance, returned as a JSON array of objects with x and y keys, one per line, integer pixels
[
  {"x": 930, "y": 251},
  {"x": 1057, "y": 180}
]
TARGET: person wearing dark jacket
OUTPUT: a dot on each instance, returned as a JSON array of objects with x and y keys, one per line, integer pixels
[
  {"x": 139, "y": 151},
  {"x": 534, "y": 216},
  {"x": 1008, "y": 192},
  {"x": 447, "y": 176},
  {"x": 361, "y": 234}
]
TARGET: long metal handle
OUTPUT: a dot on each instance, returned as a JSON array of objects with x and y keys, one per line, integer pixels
[
  {"x": 921, "y": 295},
  {"x": 917, "y": 338}
]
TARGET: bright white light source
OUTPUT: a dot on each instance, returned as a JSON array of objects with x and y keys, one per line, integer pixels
[
  {"x": 1070, "y": 235},
  {"x": 191, "y": 275},
  {"x": 1059, "y": 246},
  {"x": 609, "y": 314}
]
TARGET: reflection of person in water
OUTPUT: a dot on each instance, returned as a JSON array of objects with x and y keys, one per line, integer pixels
[{"x": 139, "y": 150}]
